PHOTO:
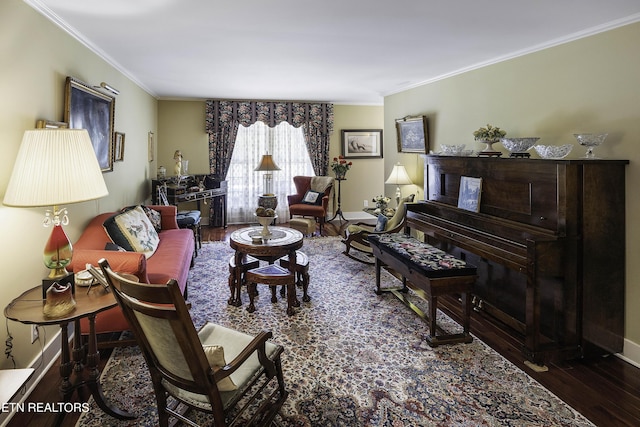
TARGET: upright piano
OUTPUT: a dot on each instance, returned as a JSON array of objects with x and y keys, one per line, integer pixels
[{"x": 548, "y": 241}]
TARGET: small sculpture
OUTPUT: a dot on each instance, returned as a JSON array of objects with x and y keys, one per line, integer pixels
[{"x": 177, "y": 156}]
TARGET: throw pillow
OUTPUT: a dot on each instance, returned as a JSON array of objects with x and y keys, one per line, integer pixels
[
  {"x": 312, "y": 198},
  {"x": 154, "y": 216},
  {"x": 381, "y": 223},
  {"x": 215, "y": 357},
  {"x": 133, "y": 231},
  {"x": 110, "y": 246}
]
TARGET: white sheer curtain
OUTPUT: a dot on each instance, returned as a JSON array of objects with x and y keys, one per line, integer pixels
[{"x": 289, "y": 151}]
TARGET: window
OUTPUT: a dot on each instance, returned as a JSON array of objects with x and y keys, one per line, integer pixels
[{"x": 286, "y": 144}]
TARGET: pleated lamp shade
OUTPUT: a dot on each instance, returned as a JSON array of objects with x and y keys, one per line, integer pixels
[{"x": 55, "y": 167}]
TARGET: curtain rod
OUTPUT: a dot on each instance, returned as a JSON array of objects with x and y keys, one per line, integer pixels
[{"x": 268, "y": 100}]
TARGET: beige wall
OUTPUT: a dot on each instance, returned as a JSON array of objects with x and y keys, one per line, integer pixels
[
  {"x": 37, "y": 57},
  {"x": 590, "y": 85},
  {"x": 181, "y": 126}
]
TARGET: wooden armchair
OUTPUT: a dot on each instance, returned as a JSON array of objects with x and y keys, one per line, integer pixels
[
  {"x": 299, "y": 206},
  {"x": 234, "y": 377},
  {"x": 356, "y": 234}
]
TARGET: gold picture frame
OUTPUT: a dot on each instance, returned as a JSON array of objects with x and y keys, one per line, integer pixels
[
  {"x": 413, "y": 135},
  {"x": 118, "y": 147},
  {"x": 87, "y": 108},
  {"x": 49, "y": 124}
]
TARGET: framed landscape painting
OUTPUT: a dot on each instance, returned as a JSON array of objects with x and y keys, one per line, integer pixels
[
  {"x": 362, "y": 144},
  {"x": 87, "y": 108},
  {"x": 413, "y": 135}
]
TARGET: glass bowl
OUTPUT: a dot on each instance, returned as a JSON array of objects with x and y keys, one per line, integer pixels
[
  {"x": 553, "y": 151},
  {"x": 452, "y": 149},
  {"x": 518, "y": 145},
  {"x": 590, "y": 140}
]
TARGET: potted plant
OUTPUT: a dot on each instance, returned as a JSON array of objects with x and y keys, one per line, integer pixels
[{"x": 489, "y": 135}]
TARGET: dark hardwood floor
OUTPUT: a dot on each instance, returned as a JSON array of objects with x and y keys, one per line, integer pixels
[{"x": 605, "y": 390}]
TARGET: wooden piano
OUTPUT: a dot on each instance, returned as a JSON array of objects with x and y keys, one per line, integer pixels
[{"x": 549, "y": 244}]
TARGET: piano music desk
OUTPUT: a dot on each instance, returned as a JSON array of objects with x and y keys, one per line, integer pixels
[{"x": 430, "y": 273}]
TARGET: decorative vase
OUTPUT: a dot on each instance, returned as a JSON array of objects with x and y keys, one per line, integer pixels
[
  {"x": 381, "y": 205},
  {"x": 488, "y": 145}
]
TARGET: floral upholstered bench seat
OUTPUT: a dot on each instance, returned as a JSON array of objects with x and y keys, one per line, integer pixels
[{"x": 430, "y": 272}]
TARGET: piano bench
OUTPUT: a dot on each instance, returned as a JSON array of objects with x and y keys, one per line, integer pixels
[{"x": 430, "y": 273}]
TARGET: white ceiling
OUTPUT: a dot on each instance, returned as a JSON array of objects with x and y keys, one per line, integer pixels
[{"x": 342, "y": 51}]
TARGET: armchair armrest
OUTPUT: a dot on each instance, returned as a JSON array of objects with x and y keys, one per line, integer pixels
[
  {"x": 294, "y": 199},
  {"x": 257, "y": 344},
  {"x": 123, "y": 262}
]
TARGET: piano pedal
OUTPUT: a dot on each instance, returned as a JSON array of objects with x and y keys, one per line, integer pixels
[{"x": 536, "y": 367}]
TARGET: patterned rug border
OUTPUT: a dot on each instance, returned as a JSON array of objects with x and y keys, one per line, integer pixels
[{"x": 372, "y": 380}]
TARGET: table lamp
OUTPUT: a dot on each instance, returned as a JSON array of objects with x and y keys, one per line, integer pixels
[
  {"x": 55, "y": 167},
  {"x": 398, "y": 176},
  {"x": 267, "y": 165}
]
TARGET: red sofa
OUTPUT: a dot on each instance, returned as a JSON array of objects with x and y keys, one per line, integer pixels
[{"x": 171, "y": 260}]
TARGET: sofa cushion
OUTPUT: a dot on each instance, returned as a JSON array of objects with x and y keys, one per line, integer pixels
[{"x": 133, "y": 231}]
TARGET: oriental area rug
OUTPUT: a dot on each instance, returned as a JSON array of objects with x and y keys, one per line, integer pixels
[{"x": 352, "y": 358}]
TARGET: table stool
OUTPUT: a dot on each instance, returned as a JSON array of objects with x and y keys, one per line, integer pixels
[
  {"x": 302, "y": 273},
  {"x": 191, "y": 219},
  {"x": 248, "y": 263},
  {"x": 306, "y": 226},
  {"x": 274, "y": 276}
]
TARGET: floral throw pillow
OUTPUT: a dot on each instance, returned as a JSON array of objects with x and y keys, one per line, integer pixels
[{"x": 133, "y": 231}]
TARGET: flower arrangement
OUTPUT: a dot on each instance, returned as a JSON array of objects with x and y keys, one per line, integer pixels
[
  {"x": 340, "y": 166},
  {"x": 381, "y": 203},
  {"x": 489, "y": 134}
]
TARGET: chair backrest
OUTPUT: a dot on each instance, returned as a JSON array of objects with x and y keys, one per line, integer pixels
[
  {"x": 160, "y": 319},
  {"x": 401, "y": 212},
  {"x": 303, "y": 184}
]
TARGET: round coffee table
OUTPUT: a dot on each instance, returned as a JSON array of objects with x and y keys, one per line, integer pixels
[{"x": 250, "y": 241}]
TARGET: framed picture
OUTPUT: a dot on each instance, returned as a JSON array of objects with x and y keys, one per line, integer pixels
[
  {"x": 413, "y": 135},
  {"x": 150, "y": 146},
  {"x": 469, "y": 194},
  {"x": 87, "y": 108},
  {"x": 362, "y": 144},
  {"x": 48, "y": 124},
  {"x": 118, "y": 150}
]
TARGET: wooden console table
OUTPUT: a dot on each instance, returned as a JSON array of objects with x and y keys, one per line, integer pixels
[{"x": 188, "y": 190}]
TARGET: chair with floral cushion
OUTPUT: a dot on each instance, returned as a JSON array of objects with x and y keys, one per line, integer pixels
[
  {"x": 234, "y": 377},
  {"x": 355, "y": 236}
]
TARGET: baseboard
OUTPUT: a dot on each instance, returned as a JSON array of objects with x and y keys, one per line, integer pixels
[
  {"x": 359, "y": 216},
  {"x": 41, "y": 365},
  {"x": 630, "y": 353}
]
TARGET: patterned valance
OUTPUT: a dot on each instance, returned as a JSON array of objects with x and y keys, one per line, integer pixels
[
  {"x": 223, "y": 117},
  {"x": 317, "y": 116}
]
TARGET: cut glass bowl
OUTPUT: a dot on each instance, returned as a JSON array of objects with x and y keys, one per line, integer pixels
[
  {"x": 553, "y": 151},
  {"x": 452, "y": 150},
  {"x": 518, "y": 145},
  {"x": 590, "y": 140}
]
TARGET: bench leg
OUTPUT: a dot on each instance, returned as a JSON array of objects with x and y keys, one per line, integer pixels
[{"x": 433, "y": 308}]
